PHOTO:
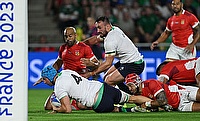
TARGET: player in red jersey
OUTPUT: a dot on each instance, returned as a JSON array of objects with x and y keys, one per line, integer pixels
[
  {"x": 181, "y": 98},
  {"x": 185, "y": 72},
  {"x": 73, "y": 55},
  {"x": 185, "y": 29}
]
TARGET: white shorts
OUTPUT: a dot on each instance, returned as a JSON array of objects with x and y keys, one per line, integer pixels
[
  {"x": 178, "y": 53},
  {"x": 187, "y": 98}
]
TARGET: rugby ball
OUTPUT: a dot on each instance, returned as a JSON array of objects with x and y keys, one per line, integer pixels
[{"x": 55, "y": 101}]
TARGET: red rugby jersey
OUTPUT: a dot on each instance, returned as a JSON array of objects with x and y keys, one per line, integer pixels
[
  {"x": 151, "y": 87},
  {"x": 71, "y": 56},
  {"x": 180, "y": 71},
  {"x": 181, "y": 28}
]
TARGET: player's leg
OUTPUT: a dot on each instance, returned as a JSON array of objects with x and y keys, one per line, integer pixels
[
  {"x": 47, "y": 104},
  {"x": 110, "y": 70},
  {"x": 197, "y": 72},
  {"x": 114, "y": 78},
  {"x": 173, "y": 52},
  {"x": 198, "y": 96},
  {"x": 189, "y": 99},
  {"x": 196, "y": 107}
]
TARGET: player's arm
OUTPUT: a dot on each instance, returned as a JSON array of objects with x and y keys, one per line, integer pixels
[
  {"x": 58, "y": 63},
  {"x": 92, "y": 62},
  {"x": 138, "y": 99},
  {"x": 105, "y": 65},
  {"x": 196, "y": 34},
  {"x": 196, "y": 37},
  {"x": 65, "y": 106},
  {"x": 163, "y": 79},
  {"x": 161, "y": 101},
  {"x": 161, "y": 39},
  {"x": 93, "y": 40}
]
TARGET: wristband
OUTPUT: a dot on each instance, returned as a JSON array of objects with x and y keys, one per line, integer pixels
[{"x": 148, "y": 104}]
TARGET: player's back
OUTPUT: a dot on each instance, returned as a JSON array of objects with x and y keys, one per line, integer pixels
[
  {"x": 71, "y": 84},
  {"x": 181, "y": 71}
]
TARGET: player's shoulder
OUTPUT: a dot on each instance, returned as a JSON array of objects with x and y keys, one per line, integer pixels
[
  {"x": 151, "y": 81},
  {"x": 62, "y": 47},
  {"x": 187, "y": 13}
]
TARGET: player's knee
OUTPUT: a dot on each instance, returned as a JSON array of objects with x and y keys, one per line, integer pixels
[{"x": 109, "y": 80}]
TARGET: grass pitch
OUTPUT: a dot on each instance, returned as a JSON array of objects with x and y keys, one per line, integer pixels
[{"x": 36, "y": 112}]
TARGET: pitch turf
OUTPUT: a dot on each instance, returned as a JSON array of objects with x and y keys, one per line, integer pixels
[{"x": 36, "y": 112}]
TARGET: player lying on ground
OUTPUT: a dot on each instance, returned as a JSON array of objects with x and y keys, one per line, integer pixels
[
  {"x": 184, "y": 72},
  {"x": 99, "y": 96},
  {"x": 181, "y": 98}
]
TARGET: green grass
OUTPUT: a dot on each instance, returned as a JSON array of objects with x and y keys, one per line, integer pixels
[{"x": 36, "y": 112}]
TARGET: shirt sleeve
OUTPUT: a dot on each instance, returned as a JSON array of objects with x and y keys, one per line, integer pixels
[
  {"x": 193, "y": 21},
  {"x": 110, "y": 45},
  {"x": 155, "y": 87}
]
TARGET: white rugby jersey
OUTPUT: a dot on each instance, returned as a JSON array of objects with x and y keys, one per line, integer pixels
[
  {"x": 118, "y": 44},
  {"x": 71, "y": 84}
]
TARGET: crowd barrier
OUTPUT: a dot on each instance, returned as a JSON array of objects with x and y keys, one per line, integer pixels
[{"x": 38, "y": 60}]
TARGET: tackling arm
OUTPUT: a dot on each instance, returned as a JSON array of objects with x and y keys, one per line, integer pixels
[
  {"x": 93, "y": 40},
  {"x": 58, "y": 64},
  {"x": 104, "y": 66},
  {"x": 161, "y": 101},
  {"x": 138, "y": 99},
  {"x": 93, "y": 62},
  {"x": 65, "y": 106}
]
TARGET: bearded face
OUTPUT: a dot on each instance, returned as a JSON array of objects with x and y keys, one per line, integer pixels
[{"x": 176, "y": 6}]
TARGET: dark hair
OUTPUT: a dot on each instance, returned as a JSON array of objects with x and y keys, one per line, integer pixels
[
  {"x": 180, "y": 1},
  {"x": 161, "y": 66},
  {"x": 102, "y": 18}
]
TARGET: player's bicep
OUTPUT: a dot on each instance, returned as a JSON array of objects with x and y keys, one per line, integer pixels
[
  {"x": 167, "y": 32},
  {"x": 196, "y": 29}
]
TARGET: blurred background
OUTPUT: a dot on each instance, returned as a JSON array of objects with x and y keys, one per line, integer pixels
[{"x": 142, "y": 20}]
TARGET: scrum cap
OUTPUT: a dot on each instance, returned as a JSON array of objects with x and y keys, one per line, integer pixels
[
  {"x": 49, "y": 72},
  {"x": 133, "y": 78}
]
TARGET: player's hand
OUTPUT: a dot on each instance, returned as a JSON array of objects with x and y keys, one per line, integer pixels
[
  {"x": 188, "y": 49},
  {"x": 37, "y": 82},
  {"x": 85, "y": 62},
  {"x": 153, "y": 45},
  {"x": 86, "y": 75},
  {"x": 52, "y": 112},
  {"x": 167, "y": 107}
]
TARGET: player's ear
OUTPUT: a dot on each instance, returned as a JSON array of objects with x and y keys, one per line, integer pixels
[
  {"x": 181, "y": 5},
  {"x": 108, "y": 27}
]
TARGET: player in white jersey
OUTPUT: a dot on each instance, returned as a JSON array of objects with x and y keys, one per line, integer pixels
[
  {"x": 100, "y": 96},
  {"x": 117, "y": 44}
]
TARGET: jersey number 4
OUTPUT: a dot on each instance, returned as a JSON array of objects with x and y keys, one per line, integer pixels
[{"x": 76, "y": 78}]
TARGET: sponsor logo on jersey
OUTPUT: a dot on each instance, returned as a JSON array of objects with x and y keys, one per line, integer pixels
[
  {"x": 77, "y": 53},
  {"x": 182, "y": 21}
]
